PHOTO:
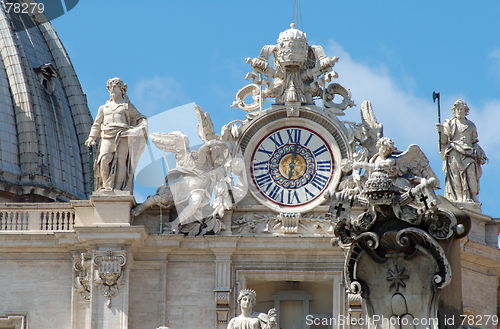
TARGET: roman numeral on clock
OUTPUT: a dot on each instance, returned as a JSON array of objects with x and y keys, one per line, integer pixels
[
  {"x": 294, "y": 135},
  {"x": 324, "y": 165},
  {"x": 319, "y": 150},
  {"x": 263, "y": 150},
  {"x": 293, "y": 197},
  {"x": 319, "y": 181},
  {"x": 263, "y": 179},
  {"x": 276, "y": 192},
  {"x": 263, "y": 165},
  {"x": 276, "y": 138}
]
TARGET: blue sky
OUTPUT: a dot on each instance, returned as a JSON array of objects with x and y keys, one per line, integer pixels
[{"x": 394, "y": 53}]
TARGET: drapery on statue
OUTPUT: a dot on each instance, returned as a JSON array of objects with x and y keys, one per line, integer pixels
[
  {"x": 249, "y": 319},
  {"x": 123, "y": 135},
  {"x": 462, "y": 156}
]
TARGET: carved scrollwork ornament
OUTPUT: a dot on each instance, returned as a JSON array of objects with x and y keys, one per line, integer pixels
[
  {"x": 249, "y": 90},
  {"x": 109, "y": 272},
  {"x": 442, "y": 224},
  {"x": 424, "y": 242},
  {"x": 82, "y": 283},
  {"x": 355, "y": 288}
]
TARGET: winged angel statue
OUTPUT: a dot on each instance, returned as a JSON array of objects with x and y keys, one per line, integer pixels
[
  {"x": 383, "y": 177},
  {"x": 200, "y": 177}
]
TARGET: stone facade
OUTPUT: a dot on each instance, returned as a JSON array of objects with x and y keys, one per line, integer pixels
[{"x": 176, "y": 280}]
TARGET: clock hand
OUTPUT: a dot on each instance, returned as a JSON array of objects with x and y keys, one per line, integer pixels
[{"x": 292, "y": 163}]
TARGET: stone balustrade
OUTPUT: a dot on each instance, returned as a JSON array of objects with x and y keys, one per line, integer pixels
[{"x": 38, "y": 217}]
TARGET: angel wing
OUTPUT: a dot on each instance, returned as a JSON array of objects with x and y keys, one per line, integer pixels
[
  {"x": 373, "y": 129},
  {"x": 412, "y": 165},
  {"x": 170, "y": 142},
  {"x": 205, "y": 127}
]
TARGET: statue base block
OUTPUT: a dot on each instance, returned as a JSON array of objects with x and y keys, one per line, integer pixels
[
  {"x": 112, "y": 208},
  {"x": 474, "y": 206}
]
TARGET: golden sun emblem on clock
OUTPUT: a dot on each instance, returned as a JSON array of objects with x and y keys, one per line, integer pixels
[{"x": 297, "y": 165}]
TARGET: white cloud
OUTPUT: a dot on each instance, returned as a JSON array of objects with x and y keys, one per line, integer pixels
[
  {"x": 407, "y": 119},
  {"x": 487, "y": 118}
]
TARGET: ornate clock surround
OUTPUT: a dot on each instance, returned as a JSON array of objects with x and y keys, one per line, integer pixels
[{"x": 311, "y": 118}]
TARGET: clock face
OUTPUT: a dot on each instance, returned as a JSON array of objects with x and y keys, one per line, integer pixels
[{"x": 292, "y": 167}]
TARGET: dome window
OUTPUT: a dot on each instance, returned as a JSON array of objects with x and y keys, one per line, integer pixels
[{"x": 46, "y": 74}]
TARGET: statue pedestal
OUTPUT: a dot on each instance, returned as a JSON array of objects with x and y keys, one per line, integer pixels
[
  {"x": 112, "y": 208},
  {"x": 474, "y": 206}
]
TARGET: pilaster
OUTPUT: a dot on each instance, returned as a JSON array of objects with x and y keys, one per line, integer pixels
[{"x": 223, "y": 278}]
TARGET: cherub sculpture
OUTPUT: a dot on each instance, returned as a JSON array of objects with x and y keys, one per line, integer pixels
[
  {"x": 404, "y": 168},
  {"x": 199, "y": 174},
  {"x": 462, "y": 155},
  {"x": 250, "y": 319}
]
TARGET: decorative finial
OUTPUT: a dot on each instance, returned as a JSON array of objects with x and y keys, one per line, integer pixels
[{"x": 292, "y": 25}]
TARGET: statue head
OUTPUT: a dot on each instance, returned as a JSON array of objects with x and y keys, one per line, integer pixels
[
  {"x": 247, "y": 295},
  {"x": 385, "y": 145},
  {"x": 120, "y": 84},
  {"x": 460, "y": 109}
]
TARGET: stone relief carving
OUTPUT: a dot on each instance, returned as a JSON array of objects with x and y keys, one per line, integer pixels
[
  {"x": 123, "y": 135},
  {"x": 394, "y": 239},
  {"x": 249, "y": 318},
  {"x": 200, "y": 174},
  {"x": 299, "y": 73},
  {"x": 462, "y": 155},
  {"x": 82, "y": 281},
  {"x": 109, "y": 272},
  {"x": 283, "y": 223}
]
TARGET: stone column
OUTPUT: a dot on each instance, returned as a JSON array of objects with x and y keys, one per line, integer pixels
[{"x": 223, "y": 278}]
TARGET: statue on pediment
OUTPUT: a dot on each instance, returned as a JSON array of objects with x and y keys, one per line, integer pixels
[
  {"x": 123, "y": 135},
  {"x": 200, "y": 177},
  {"x": 250, "y": 319},
  {"x": 462, "y": 155}
]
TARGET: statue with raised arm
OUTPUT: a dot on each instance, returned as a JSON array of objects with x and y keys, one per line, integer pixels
[
  {"x": 462, "y": 155},
  {"x": 250, "y": 319},
  {"x": 123, "y": 135}
]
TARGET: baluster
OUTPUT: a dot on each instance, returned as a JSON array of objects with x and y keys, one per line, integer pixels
[
  {"x": 24, "y": 221},
  {"x": 11, "y": 215}
]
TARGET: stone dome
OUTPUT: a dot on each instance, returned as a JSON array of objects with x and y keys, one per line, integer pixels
[{"x": 44, "y": 117}]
